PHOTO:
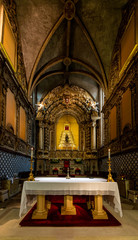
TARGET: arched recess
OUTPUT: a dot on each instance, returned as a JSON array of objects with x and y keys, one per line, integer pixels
[
  {"x": 67, "y": 133},
  {"x": 42, "y": 74},
  {"x": 61, "y": 102},
  {"x": 83, "y": 73}
]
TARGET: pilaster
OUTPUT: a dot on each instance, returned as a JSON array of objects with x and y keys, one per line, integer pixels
[{"x": 3, "y": 90}]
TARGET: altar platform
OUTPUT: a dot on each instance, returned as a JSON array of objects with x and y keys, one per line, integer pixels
[{"x": 97, "y": 187}]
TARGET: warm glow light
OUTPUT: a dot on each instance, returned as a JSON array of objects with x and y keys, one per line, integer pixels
[
  {"x": 40, "y": 106},
  {"x": 91, "y": 104}
]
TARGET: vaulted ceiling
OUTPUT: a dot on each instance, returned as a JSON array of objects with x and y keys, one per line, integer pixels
[{"x": 68, "y": 41}]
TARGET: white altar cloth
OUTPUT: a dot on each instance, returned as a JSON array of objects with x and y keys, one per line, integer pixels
[{"x": 72, "y": 186}]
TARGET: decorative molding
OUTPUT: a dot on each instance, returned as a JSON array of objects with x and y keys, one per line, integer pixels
[
  {"x": 125, "y": 142},
  {"x": 65, "y": 154},
  {"x": 8, "y": 139}
]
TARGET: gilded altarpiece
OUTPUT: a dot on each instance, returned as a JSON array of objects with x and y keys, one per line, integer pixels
[{"x": 60, "y": 144}]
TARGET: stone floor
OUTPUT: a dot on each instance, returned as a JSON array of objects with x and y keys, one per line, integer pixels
[{"x": 11, "y": 230}]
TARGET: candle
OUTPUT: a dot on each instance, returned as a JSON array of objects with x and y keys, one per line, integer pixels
[
  {"x": 109, "y": 153},
  {"x": 32, "y": 152}
]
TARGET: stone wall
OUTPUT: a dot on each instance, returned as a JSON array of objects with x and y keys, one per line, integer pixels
[{"x": 11, "y": 164}]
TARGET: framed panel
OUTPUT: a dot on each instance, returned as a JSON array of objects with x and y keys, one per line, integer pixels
[
  {"x": 10, "y": 112},
  {"x": 126, "y": 110},
  {"x": 8, "y": 42},
  {"x": 128, "y": 41}
]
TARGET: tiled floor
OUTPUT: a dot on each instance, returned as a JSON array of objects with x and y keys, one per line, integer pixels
[{"x": 11, "y": 230}]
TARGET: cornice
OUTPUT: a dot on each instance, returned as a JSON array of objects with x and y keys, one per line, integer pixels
[{"x": 126, "y": 79}]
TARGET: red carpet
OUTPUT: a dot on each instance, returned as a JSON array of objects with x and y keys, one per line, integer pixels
[{"x": 83, "y": 217}]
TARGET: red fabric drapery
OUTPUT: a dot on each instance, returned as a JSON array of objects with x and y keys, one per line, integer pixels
[{"x": 66, "y": 163}]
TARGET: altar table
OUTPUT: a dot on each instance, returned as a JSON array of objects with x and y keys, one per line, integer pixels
[{"x": 98, "y": 187}]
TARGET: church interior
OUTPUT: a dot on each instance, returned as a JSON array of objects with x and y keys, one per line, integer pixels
[{"x": 68, "y": 104}]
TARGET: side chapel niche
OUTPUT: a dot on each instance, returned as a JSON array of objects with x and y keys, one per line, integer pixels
[{"x": 66, "y": 136}]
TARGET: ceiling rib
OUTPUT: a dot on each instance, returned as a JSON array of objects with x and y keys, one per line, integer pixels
[
  {"x": 96, "y": 75},
  {"x": 49, "y": 74},
  {"x": 68, "y": 37},
  {"x": 48, "y": 65},
  {"x": 52, "y": 73},
  {"x": 55, "y": 61},
  {"x": 90, "y": 68}
]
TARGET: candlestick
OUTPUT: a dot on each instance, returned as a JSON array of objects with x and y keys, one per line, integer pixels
[
  {"x": 108, "y": 152},
  {"x": 31, "y": 177},
  {"x": 32, "y": 152},
  {"x": 67, "y": 177},
  {"x": 110, "y": 179}
]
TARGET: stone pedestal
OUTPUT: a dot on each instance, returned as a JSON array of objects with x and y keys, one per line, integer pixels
[
  {"x": 41, "y": 211},
  {"x": 68, "y": 208},
  {"x": 98, "y": 212}
]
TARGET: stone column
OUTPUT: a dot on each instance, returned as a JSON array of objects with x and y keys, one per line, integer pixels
[
  {"x": 93, "y": 132},
  {"x": 41, "y": 136},
  {"x": 93, "y": 135},
  {"x": 101, "y": 124},
  {"x": 82, "y": 139}
]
